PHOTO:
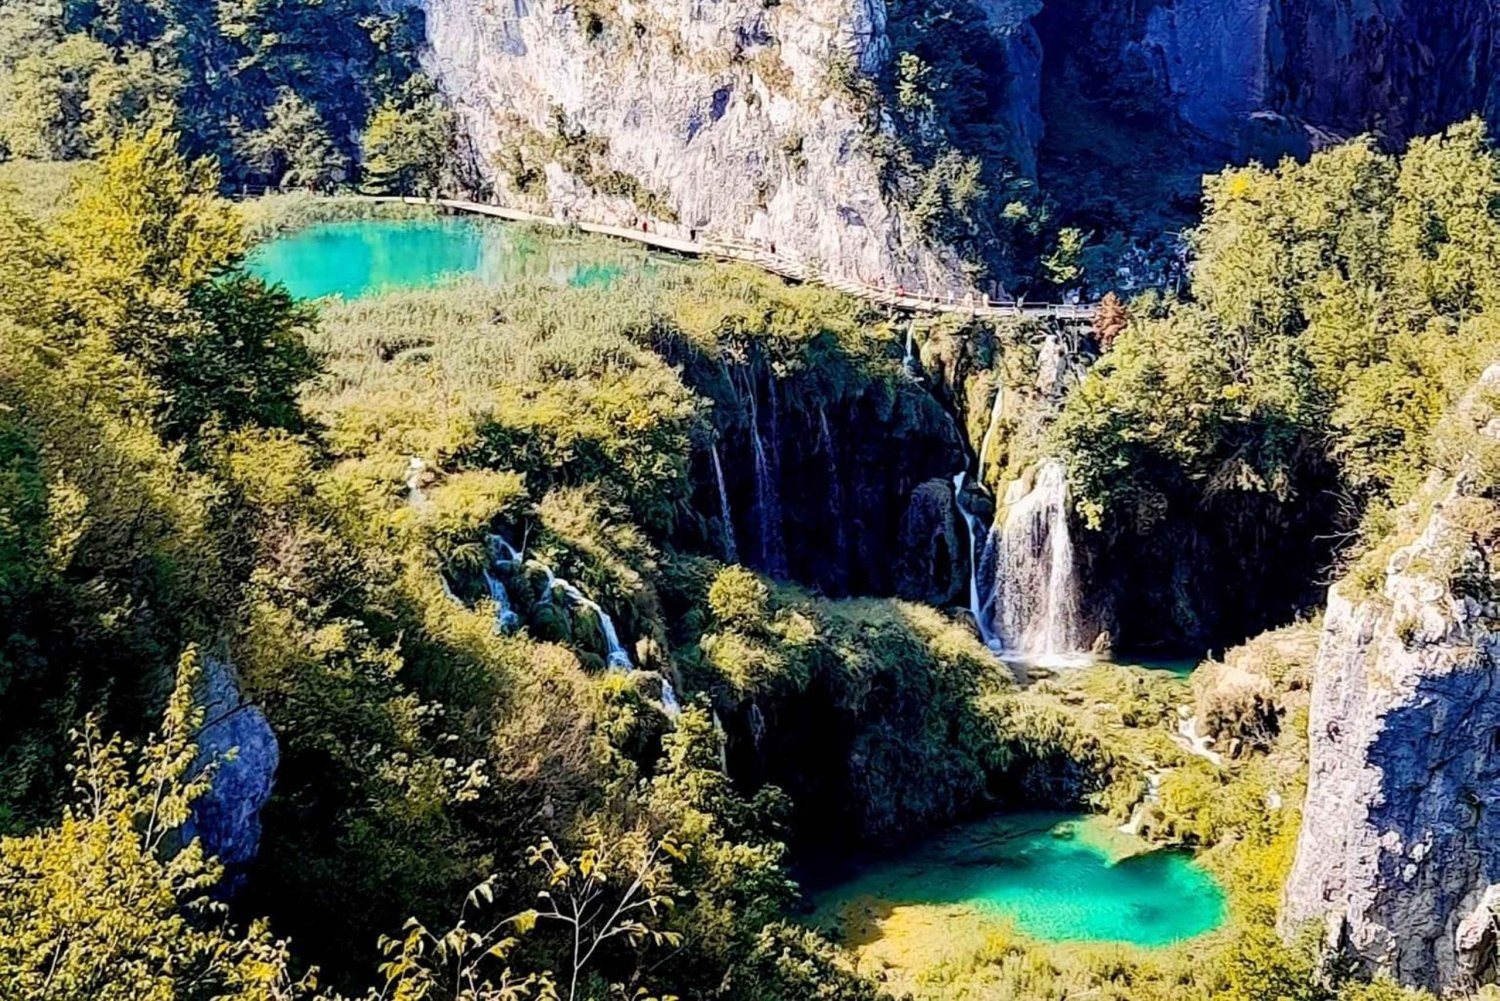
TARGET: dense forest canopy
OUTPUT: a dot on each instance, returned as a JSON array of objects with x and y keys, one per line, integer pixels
[
  {"x": 358, "y": 516},
  {"x": 278, "y": 93}
]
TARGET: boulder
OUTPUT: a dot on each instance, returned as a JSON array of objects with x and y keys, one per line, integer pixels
[{"x": 239, "y": 744}]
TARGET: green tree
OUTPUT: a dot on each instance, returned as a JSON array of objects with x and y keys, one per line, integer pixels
[
  {"x": 406, "y": 147},
  {"x": 150, "y": 251},
  {"x": 295, "y": 148},
  {"x": 109, "y": 904}
]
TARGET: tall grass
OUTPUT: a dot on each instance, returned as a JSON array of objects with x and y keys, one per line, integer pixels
[
  {"x": 276, "y": 214},
  {"x": 41, "y": 190}
]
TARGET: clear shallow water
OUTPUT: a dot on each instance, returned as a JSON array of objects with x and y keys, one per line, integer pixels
[
  {"x": 354, "y": 259},
  {"x": 1052, "y": 877}
]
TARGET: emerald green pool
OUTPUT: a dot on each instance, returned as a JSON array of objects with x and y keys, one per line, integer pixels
[
  {"x": 1051, "y": 877},
  {"x": 354, "y": 259}
]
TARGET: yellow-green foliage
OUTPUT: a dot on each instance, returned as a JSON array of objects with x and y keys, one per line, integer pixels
[
  {"x": 39, "y": 189},
  {"x": 1340, "y": 307},
  {"x": 107, "y": 902},
  {"x": 275, "y": 214}
]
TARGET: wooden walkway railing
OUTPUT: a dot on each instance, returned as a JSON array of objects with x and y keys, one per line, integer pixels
[{"x": 780, "y": 264}]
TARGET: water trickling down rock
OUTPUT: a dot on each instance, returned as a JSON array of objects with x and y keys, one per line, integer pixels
[{"x": 726, "y": 514}]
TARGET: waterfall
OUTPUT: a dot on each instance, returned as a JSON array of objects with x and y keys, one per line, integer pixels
[
  {"x": 500, "y": 555},
  {"x": 415, "y": 495},
  {"x": 506, "y": 620},
  {"x": 723, "y": 740},
  {"x": 617, "y": 657},
  {"x": 989, "y": 433},
  {"x": 669, "y": 701},
  {"x": 757, "y": 724},
  {"x": 835, "y": 487},
  {"x": 731, "y": 548},
  {"x": 909, "y": 360},
  {"x": 1036, "y": 578},
  {"x": 767, "y": 496},
  {"x": 975, "y": 527},
  {"x": 503, "y": 554}
]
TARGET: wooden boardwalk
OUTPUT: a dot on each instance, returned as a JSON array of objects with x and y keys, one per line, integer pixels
[{"x": 780, "y": 264}]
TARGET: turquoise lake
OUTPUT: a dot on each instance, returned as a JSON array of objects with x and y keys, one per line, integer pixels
[
  {"x": 1052, "y": 877},
  {"x": 355, "y": 259}
]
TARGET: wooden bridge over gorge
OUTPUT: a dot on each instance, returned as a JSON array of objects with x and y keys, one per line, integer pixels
[{"x": 781, "y": 264}]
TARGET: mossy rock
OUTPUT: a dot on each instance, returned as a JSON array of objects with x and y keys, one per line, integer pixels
[
  {"x": 550, "y": 622},
  {"x": 533, "y": 583},
  {"x": 587, "y": 630}
]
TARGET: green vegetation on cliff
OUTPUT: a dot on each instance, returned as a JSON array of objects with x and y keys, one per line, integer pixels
[{"x": 196, "y": 462}]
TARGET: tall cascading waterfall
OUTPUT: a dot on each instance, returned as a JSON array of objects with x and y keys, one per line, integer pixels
[
  {"x": 767, "y": 490},
  {"x": 975, "y": 527},
  {"x": 731, "y": 547},
  {"x": 1037, "y": 601},
  {"x": 979, "y": 607}
]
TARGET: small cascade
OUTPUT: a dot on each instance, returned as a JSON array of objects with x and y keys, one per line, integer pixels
[
  {"x": 1137, "y": 820},
  {"x": 909, "y": 360},
  {"x": 835, "y": 486},
  {"x": 669, "y": 700},
  {"x": 757, "y": 725},
  {"x": 415, "y": 495},
  {"x": 1190, "y": 740},
  {"x": 1037, "y": 594},
  {"x": 617, "y": 658},
  {"x": 731, "y": 548},
  {"x": 500, "y": 555},
  {"x": 767, "y": 495},
  {"x": 503, "y": 554},
  {"x": 506, "y": 620},
  {"x": 723, "y": 740}
]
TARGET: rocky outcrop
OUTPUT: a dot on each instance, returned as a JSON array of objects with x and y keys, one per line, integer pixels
[
  {"x": 734, "y": 118},
  {"x": 1399, "y": 67},
  {"x": 1253, "y": 74},
  {"x": 761, "y": 120},
  {"x": 1400, "y": 842},
  {"x": 238, "y": 743}
]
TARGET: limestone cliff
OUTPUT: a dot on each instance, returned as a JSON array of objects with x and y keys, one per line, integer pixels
[
  {"x": 1401, "y": 831},
  {"x": 735, "y": 118},
  {"x": 1254, "y": 73},
  {"x": 771, "y": 121}
]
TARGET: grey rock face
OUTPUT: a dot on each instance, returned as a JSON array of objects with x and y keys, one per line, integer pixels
[
  {"x": 1213, "y": 58},
  {"x": 1401, "y": 832},
  {"x": 729, "y": 112},
  {"x": 1253, "y": 74},
  {"x": 1399, "y": 67},
  {"x": 237, "y": 738}
]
